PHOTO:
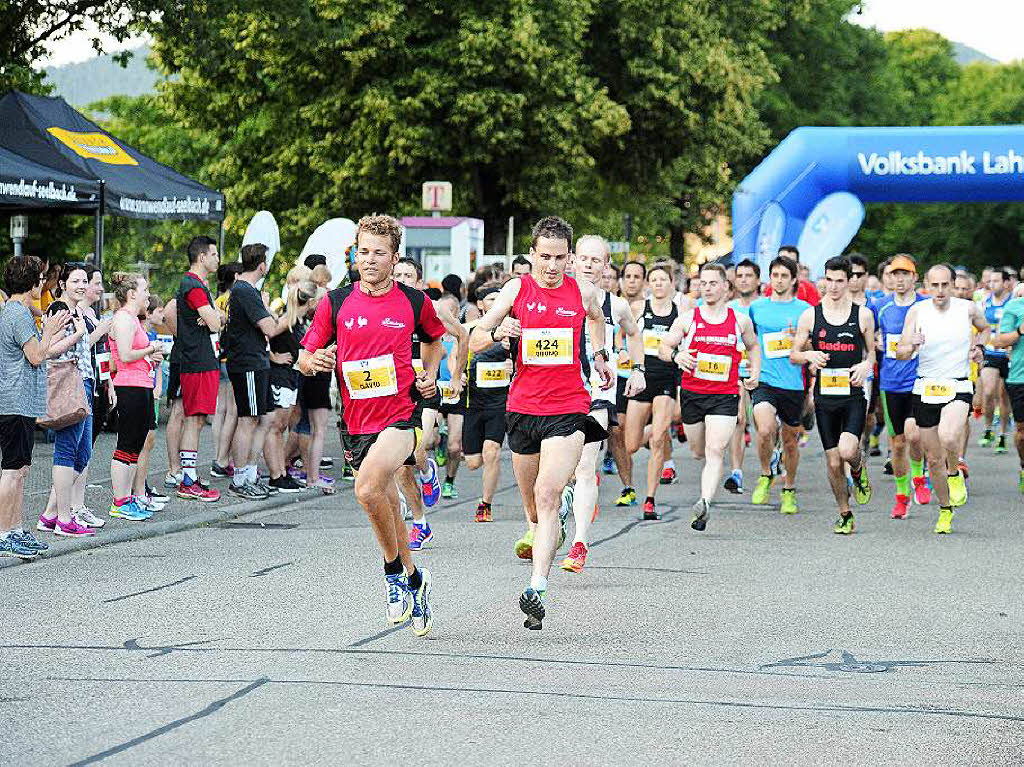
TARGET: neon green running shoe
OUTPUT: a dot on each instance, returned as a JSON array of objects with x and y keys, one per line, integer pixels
[
  {"x": 1001, "y": 444},
  {"x": 957, "y": 490},
  {"x": 844, "y": 525},
  {"x": 788, "y": 501},
  {"x": 761, "y": 490},
  {"x": 862, "y": 487},
  {"x": 945, "y": 523},
  {"x": 1020, "y": 482},
  {"x": 627, "y": 498},
  {"x": 986, "y": 439},
  {"x": 524, "y": 546}
]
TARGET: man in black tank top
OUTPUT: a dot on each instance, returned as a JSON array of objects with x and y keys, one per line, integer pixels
[{"x": 837, "y": 339}]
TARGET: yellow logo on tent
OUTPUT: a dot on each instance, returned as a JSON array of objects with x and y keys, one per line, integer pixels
[{"x": 93, "y": 146}]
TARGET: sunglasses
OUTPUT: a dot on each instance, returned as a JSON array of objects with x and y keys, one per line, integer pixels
[{"x": 858, "y": 274}]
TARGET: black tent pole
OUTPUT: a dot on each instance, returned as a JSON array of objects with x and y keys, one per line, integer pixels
[
  {"x": 220, "y": 237},
  {"x": 99, "y": 228}
]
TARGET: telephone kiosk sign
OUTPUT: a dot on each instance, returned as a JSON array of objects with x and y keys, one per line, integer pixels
[{"x": 437, "y": 195}]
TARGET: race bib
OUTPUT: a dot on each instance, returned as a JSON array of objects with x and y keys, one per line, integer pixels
[
  {"x": 652, "y": 340},
  {"x": 374, "y": 377},
  {"x": 547, "y": 346},
  {"x": 937, "y": 391},
  {"x": 834, "y": 382},
  {"x": 892, "y": 340},
  {"x": 447, "y": 393},
  {"x": 625, "y": 364},
  {"x": 491, "y": 375},
  {"x": 712, "y": 367},
  {"x": 417, "y": 366},
  {"x": 215, "y": 340},
  {"x": 777, "y": 345}
]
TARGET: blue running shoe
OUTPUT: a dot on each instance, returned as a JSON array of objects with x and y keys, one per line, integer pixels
[
  {"x": 419, "y": 535},
  {"x": 422, "y": 618},
  {"x": 608, "y": 467},
  {"x": 532, "y": 604},
  {"x": 13, "y": 546},
  {"x": 776, "y": 463},
  {"x": 430, "y": 484},
  {"x": 29, "y": 541},
  {"x": 399, "y": 599}
]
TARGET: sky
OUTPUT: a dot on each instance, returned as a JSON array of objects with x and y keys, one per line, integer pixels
[{"x": 991, "y": 26}]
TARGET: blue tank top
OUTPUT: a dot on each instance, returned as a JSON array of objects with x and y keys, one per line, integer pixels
[
  {"x": 994, "y": 313},
  {"x": 894, "y": 375},
  {"x": 775, "y": 323}
]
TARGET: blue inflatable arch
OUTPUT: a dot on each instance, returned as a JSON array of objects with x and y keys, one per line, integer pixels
[{"x": 810, "y": 190}]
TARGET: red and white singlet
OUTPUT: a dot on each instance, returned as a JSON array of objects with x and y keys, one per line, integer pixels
[
  {"x": 718, "y": 359},
  {"x": 548, "y": 363}
]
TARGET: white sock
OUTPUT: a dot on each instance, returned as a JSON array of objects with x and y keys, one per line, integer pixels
[
  {"x": 251, "y": 474},
  {"x": 239, "y": 477},
  {"x": 538, "y": 583}
]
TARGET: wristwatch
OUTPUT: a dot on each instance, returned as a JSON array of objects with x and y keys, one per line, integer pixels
[
  {"x": 492, "y": 335},
  {"x": 639, "y": 367}
]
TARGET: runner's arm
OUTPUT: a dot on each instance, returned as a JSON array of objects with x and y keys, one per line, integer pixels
[
  {"x": 171, "y": 316},
  {"x": 753, "y": 347},
  {"x": 634, "y": 339},
  {"x": 210, "y": 317},
  {"x": 802, "y": 353},
  {"x": 862, "y": 371},
  {"x": 910, "y": 338},
  {"x": 595, "y": 320},
  {"x": 674, "y": 337},
  {"x": 313, "y": 357},
  {"x": 486, "y": 331},
  {"x": 1009, "y": 331},
  {"x": 980, "y": 323}
]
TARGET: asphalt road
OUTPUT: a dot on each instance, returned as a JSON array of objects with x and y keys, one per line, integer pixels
[{"x": 765, "y": 640}]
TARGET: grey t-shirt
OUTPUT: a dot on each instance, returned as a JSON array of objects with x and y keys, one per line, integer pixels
[{"x": 22, "y": 387}]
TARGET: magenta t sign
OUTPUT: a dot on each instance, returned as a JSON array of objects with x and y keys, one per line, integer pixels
[{"x": 437, "y": 195}]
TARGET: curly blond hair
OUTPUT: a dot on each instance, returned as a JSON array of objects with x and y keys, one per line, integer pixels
[{"x": 383, "y": 226}]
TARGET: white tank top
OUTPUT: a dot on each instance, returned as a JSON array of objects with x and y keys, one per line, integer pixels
[{"x": 946, "y": 350}]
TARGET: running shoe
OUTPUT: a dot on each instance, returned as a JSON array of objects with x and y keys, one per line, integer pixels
[
  {"x": 1020, "y": 481},
  {"x": 145, "y": 503},
  {"x": 563, "y": 517},
  {"x": 264, "y": 487},
  {"x": 326, "y": 462},
  {"x": 197, "y": 491},
  {"x": 172, "y": 480},
  {"x": 762, "y": 490},
  {"x": 986, "y": 439},
  {"x": 775, "y": 465},
  {"x": 248, "y": 492},
  {"x": 807, "y": 420},
  {"x": 29, "y": 541},
  {"x": 348, "y": 473},
  {"x": 862, "y": 487},
  {"x": 668, "y": 476},
  {"x": 72, "y": 529},
  {"x": 399, "y": 604},
  {"x": 608, "y": 467},
  {"x": 532, "y": 604},
  {"x": 12, "y": 545},
  {"x": 46, "y": 524},
  {"x": 448, "y": 489},
  {"x": 944, "y": 524},
  {"x": 483, "y": 512},
  {"x": 922, "y": 493},
  {"x": 899, "y": 509},
  {"x": 221, "y": 472},
  {"x": 285, "y": 484},
  {"x": 746, "y": 437},
  {"x": 962, "y": 468},
  {"x": 419, "y": 535},
  {"x": 1001, "y": 444},
  {"x": 887, "y": 468},
  {"x": 957, "y": 490},
  {"x": 844, "y": 525},
  {"x": 157, "y": 495},
  {"x": 650, "y": 514},
  {"x": 441, "y": 451},
  {"x": 422, "y": 618},
  {"x": 130, "y": 512},
  {"x": 565, "y": 509},
  {"x": 576, "y": 558},
  {"x": 627, "y": 497},
  {"x": 734, "y": 482},
  {"x": 429, "y": 483},
  {"x": 804, "y": 439},
  {"x": 701, "y": 509},
  {"x": 681, "y": 434},
  {"x": 524, "y": 546},
  {"x": 788, "y": 497}
]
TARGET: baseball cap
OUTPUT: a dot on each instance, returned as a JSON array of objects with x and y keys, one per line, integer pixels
[{"x": 906, "y": 263}]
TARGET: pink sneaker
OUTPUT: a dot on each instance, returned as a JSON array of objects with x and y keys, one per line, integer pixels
[
  {"x": 197, "y": 492},
  {"x": 73, "y": 529},
  {"x": 46, "y": 525},
  {"x": 922, "y": 493}
]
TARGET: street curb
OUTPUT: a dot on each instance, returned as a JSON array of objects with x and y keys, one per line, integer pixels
[{"x": 145, "y": 530}]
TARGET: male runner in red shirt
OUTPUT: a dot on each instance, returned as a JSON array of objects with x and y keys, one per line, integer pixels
[
  {"x": 364, "y": 330},
  {"x": 548, "y": 406}
]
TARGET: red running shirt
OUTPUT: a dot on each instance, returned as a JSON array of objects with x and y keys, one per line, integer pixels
[
  {"x": 549, "y": 376},
  {"x": 718, "y": 359},
  {"x": 374, "y": 336}
]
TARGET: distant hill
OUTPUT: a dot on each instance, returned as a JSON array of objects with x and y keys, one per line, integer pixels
[
  {"x": 87, "y": 82},
  {"x": 965, "y": 55}
]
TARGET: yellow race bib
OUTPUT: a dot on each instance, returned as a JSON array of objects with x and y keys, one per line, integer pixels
[
  {"x": 417, "y": 366},
  {"x": 652, "y": 340},
  {"x": 491, "y": 375},
  {"x": 834, "y": 382},
  {"x": 892, "y": 340},
  {"x": 937, "y": 391},
  {"x": 547, "y": 346},
  {"x": 712, "y": 367},
  {"x": 374, "y": 377},
  {"x": 777, "y": 345}
]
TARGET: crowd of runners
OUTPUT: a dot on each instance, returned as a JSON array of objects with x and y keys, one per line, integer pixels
[{"x": 573, "y": 363}]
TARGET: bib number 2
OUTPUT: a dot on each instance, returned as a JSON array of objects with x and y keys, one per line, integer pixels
[{"x": 374, "y": 377}]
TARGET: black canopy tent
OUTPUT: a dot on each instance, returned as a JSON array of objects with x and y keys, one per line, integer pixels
[{"x": 49, "y": 137}]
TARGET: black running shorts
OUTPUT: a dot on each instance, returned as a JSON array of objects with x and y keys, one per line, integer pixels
[
  {"x": 788, "y": 403},
  {"x": 527, "y": 432},
  {"x": 836, "y": 415},
  {"x": 479, "y": 426},
  {"x": 696, "y": 406},
  {"x": 928, "y": 415},
  {"x": 358, "y": 445},
  {"x": 898, "y": 406}
]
